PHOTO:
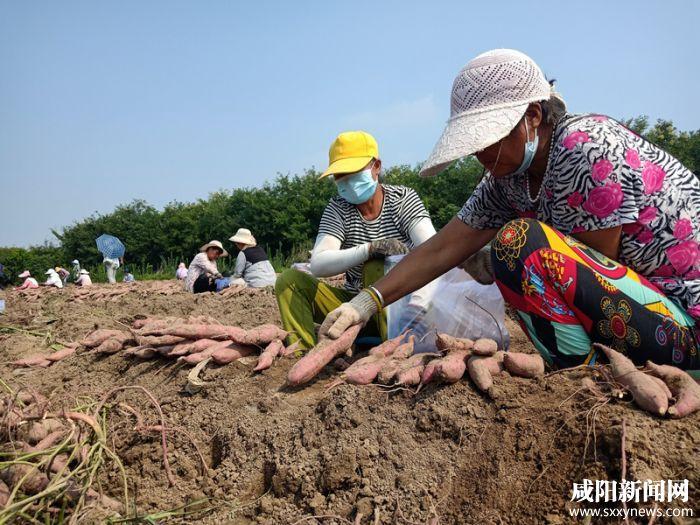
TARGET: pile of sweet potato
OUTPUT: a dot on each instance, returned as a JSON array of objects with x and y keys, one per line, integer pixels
[
  {"x": 190, "y": 341},
  {"x": 394, "y": 362}
]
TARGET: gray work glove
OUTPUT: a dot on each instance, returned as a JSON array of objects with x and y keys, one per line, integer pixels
[
  {"x": 479, "y": 266},
  {"x": 386, "y": 247},
  {"x": 357, "y": 311}
]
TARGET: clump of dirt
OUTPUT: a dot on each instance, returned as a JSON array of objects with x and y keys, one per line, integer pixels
[{"x": 279, "y": 455}]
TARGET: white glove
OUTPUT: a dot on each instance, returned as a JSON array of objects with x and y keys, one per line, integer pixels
[
  {"x": 357, "y": 311},
  {"x": 479, "y": 266}
]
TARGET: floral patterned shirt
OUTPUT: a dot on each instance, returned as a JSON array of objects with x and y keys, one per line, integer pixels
[{"x": 601, "y": 175}]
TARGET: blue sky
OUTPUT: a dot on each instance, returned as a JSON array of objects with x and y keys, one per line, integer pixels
[{"x": 105, "y": 102}]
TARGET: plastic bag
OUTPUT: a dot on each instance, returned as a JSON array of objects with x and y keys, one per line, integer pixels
[{"x": 459, "y": 306}]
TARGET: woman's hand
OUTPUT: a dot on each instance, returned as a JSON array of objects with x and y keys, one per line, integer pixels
[{"x": 357, "y": 311}]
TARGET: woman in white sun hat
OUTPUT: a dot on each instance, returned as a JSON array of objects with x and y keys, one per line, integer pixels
[
  {"x": 595, "y": 230},
  {"x": 203, "y": 271},
  {"x": 253, "y": 267},
  {"x": 29, "y": 281},
  {"x": 84, "y": 278},
  {"x": 53, "y": 279}
]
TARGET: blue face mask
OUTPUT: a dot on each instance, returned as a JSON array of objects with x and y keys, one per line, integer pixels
[
  {"x": 530, "y": 150},
  {"x": 357, "y": 188}
]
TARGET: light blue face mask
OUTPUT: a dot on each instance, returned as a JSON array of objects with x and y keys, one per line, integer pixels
[
  {"x": 530, "y": 150},
  {"x": 357, "y": 188}
]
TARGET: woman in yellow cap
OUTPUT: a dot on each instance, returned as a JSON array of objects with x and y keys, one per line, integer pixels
[
  {"x": 595, "y": 230},
  {"x": 364, "y": 223}
]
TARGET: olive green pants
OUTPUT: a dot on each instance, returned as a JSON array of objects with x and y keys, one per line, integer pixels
[{"x": 304, "y": 301}]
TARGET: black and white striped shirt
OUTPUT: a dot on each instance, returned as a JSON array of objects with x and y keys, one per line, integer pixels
[{"x": 401, "y": 210}]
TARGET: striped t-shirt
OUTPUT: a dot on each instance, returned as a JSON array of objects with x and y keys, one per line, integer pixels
[{"x": 401, "y": 210}]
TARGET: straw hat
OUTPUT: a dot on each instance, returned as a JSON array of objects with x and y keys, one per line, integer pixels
[
  {"x": 244, "y": 236},
  {"x": 489, "y": 97},
  {"x": 214, "y": 244},
  {"x": 24, "y": 274}
]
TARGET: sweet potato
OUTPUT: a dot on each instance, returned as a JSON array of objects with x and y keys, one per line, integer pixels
[
  {"x": 261, "y": 335},
  {"x": 143, "y": 352},
  {"x": 291, "y": 350},
  {"x": 388, "y": 372},
  {"x": 388, "y": 347},
  {"x": 4, "y": 494},
  {"x": 268, "y": 355},
  {"x": 446, "y": 342},
  {"x": 483, "y": 368},
  {"x": 34, "y": 360},
  {"x": 645, "y": 391},
  {"x": 35, "y": 431},
  {"x": 452, "y": 366},
  {"x": 429, "y": 373},
  {"x": 61, "y": 354},
  {"x": 683, "y": 387},
  {"x": 364, "y": 370},
  {"x": 202, "y": 331},
  {"x": 159, "y": 340},
  {"x": 192, "y": 347},
  {"x": 224, "y": 354},
  {"x": 110, "y": 346},
  {"x": 405, "y": 350},
  {"x": 31, "y": 479},
  {"x": 524, "y": 365},
  {"x": 99, "y": 336},
  {"x": 164, "y": 349},
  {"x": 409, "y": 373},
  {"x": 663, "y": 386},
  {"x": 323, "y": 353},
  {"x": 485, "y": 346}
]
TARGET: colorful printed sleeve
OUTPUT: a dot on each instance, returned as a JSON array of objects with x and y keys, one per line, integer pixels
[
  {"x": 487, "y": 207},
  {"x": 597, "y": 184}
]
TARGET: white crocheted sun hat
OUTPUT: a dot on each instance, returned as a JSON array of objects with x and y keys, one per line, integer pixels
[{"x": 489, "y": 97}]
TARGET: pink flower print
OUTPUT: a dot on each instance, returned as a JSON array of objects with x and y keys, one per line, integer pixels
[
  {"x": 601, "y": 169},
  {"x": 632, "y": 159},
  {"x": 693, "y": 274},
  {"x": 578, "y": 229},
  {"x": 683, "y": 256},
  {"x": 600, "y": 118},
  {"x": 694, "y": 311},
  {"x": 604, "y": 200},
  {"x": 648, "y": 214},
  {"x": 653, "y": 177},
  {"x": 632, "y": 228},
  {"x": 576, "y": 137},
  {"x": 683, "y": 229},
  {"x": 665, "y": 270},
  {"x": 646, "y": 236},
  {"x": 575, "y": 199},
  {"x": 548, "y": 193}
]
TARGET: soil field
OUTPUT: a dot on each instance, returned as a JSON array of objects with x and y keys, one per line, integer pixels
[{"x": 447, "y": 454}]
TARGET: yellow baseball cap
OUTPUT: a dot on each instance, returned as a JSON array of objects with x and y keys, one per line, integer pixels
[{"x": 350, "y": 152}]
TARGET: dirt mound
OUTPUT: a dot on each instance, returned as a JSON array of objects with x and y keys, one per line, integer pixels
[{"x": 277, "y": 455}]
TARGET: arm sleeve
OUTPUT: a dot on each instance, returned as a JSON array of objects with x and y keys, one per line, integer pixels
[
  {"x": 487, "y": 207},
  {"x": 599, "y": 189},
  {"x": 240, "y": 265},
  {"x": 421, "y": 231},
  {"x": 328, "y": 259}
]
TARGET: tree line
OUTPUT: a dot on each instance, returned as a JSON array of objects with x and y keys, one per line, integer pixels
[{"x": 283, "y": 214}]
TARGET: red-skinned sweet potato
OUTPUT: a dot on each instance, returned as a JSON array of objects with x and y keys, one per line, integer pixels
[
  {"x": 268, "y": 355},
  {"x": 524, "y": 365},
  {"x": 318, "y": 357},
  {"x": 683, "y": 387}
]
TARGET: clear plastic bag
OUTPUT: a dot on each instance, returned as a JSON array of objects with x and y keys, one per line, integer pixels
[{"x": 458, "y": 306}]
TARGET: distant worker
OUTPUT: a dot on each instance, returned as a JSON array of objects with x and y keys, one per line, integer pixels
[
  {"x": 63, "y": 274},
  {"x": 181, "y": 272},
  {"x": 83, "y": 278},
  {"x": 75, "y": 270},
  {"x": 253, "y": 267},
  {"x": 128, "y": 276},
  {"x": 29, "y": 281},
  {"x": 203, "y": 272},
  {"x": 53, "y": 279},
  {"x": 111, "y": 267}
]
